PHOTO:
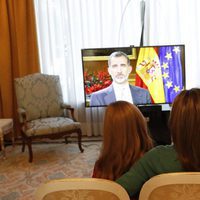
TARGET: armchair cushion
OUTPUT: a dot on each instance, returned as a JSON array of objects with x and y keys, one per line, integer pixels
[{"x": 50, "y": 125}]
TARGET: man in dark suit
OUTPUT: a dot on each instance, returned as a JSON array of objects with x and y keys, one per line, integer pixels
[{"x": 119, "y": 68}]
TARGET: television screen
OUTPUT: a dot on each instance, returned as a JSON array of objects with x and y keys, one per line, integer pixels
[{"x": 151, "y": 75}]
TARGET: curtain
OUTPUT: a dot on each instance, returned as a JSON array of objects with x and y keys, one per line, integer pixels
[
  {"x": 66, "y": 27},
  {"x": 18, "y": 52},
  {"x": 1, "y": 106},
  {"x": 175, "y": 22}
]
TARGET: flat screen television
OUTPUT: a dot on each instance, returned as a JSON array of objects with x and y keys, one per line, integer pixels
[{"x": 160, "y": 70}]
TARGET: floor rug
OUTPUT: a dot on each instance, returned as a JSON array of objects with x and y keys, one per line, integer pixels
[{"x": 19, "y": 178}]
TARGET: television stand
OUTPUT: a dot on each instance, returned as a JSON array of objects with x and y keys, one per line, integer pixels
[{"x": 157, "y": 123}]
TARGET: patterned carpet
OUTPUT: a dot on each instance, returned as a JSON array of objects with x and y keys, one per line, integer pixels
[{"x": 19, "y": 178}]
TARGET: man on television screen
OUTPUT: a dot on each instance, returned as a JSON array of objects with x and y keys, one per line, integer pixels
[{"x": 119, "y": 68}]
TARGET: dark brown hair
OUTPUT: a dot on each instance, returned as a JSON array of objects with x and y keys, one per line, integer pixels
[
  {"x": 184, "y": 124},
  {"x": 125, "y": 140}
]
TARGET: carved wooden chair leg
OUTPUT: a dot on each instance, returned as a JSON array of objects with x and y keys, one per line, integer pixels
[
  {"x": 79, "y": 140},
  {"x": 66, "y": 140},
  {"x": 13, "y": 138},
  {"x": 23, "y": 143},
  {"x": 29, "y": 143},
  {"x": 2, "y": 145}
]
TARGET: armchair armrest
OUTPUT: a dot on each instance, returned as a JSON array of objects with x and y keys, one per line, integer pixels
[
  {"x": 69, "y": 108},
  {"x": 65, "y": 106},
  {"x": 22, "y": 116}
]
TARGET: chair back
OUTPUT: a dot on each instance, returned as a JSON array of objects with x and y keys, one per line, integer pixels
[
  {"x": 173, "y": 186},
  {"x": 40, "y": 95},
  {"x": 80, "y": 189}
]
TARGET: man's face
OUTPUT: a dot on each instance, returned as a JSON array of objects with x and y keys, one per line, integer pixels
[{"x": 119, "y": 69}]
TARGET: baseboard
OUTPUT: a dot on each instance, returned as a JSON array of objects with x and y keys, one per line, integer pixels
[{"x": 61, "y": 140}]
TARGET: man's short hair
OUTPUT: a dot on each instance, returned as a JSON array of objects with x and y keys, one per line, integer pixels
[{"x": 118, "y": 54}]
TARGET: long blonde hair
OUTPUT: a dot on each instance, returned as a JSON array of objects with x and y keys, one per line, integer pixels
[{"x": 125, "y": 140}]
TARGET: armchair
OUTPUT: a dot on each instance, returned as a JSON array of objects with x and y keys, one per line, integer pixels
[
  {"x": 42, "y": 112},
  {"x": 81, "y": 189},
  {"x": 173, "y": 186}
]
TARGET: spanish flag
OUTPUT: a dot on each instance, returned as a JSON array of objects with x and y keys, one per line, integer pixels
[{"x": 148, "y": 69}]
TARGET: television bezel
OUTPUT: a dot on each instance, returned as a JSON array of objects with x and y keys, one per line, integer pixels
[{"x": 127, "y": 50}]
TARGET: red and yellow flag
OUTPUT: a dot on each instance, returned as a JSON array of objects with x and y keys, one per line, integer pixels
[{"x": 149, "y": 70}]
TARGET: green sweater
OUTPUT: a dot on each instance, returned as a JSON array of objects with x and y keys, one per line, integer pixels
[{"x": 161, "y": 159}]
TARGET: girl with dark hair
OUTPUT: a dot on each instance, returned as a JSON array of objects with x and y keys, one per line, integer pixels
[{"x": 182, "y": 155}]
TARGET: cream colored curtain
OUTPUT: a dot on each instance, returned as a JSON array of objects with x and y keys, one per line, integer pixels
[
  {"x": 18, "y": 52},
  {"x": 176, "y": 22},
  {"x": 66, "y": 27}
]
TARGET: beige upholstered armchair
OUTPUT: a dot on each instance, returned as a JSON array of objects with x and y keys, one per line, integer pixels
[
  {"x": 42, "y": 111},
  {"x": 81, "y": 189},
  {"x": 172, "y": 186}
]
